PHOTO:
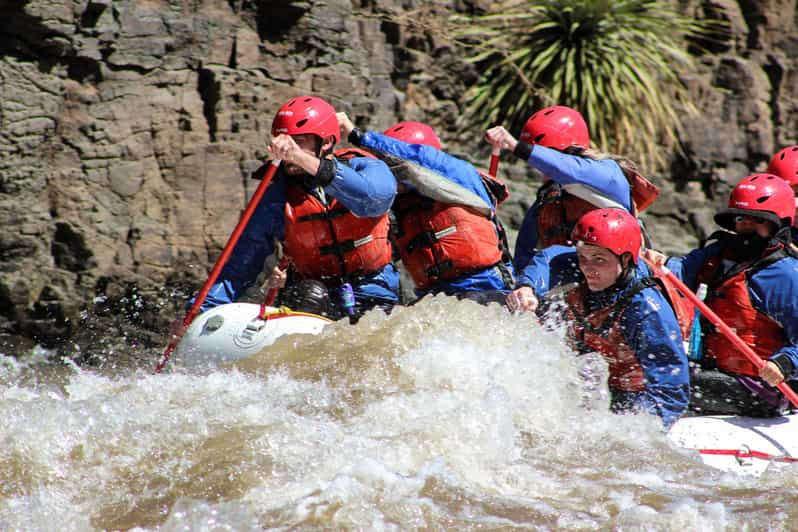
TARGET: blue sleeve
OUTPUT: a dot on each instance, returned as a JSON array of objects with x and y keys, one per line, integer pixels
[
  {"x": 527, "y": 240},
  {"x": 550, "y": 267},
  {"x": 604, "y": 175},
  {"x": 266, "y": 225},
  {"x": 365, "y": 186},
  {"x": 454, "y": 169},
  {"x": 774, "y": 291},
  {"x": 687, "y": 268},
  {"x": 652, "y": 332}
]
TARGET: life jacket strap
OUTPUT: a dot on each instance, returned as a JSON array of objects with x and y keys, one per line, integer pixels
[{"x": 428, "y": 238}]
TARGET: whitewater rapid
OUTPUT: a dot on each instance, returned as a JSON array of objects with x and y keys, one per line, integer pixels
[{"x": 444, "y": 415}]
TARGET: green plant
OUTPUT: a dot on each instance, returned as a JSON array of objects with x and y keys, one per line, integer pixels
[{"x": 617, "y": 61}]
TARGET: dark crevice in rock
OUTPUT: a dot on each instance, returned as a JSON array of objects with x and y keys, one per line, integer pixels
[
  {"x": 274, "y": 20},
  {"x": 754, "y": 18},
  {"x": 30, "y": 39},
  {"x": 83, "y": 69},
  {"x": 775, "y": 73},
  {"x": 391, "y": 30},
  {"x": 69, "y": 249},
  {"x": 92, "y": 14},
  {"x": 233, "y": 62},
  {"x": 208, "y": 89},
  {"x": 7, "y": 308},
  {"x": 683, "y": 167}
]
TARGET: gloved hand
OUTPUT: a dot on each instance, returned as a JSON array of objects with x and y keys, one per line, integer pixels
[{"x": 323, "y": 177}]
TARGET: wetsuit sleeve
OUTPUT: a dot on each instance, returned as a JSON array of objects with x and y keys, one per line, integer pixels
[
  {"x": 365, "y": 186},
  {"x": 774, "y": 291},
  {"x": 553, "y": 266},
  {"x": 603, "y": 176},
  {"x": 527, "y": 240},
  {"x": 266, "y": 225},
  {"x": 651, "y": 330},
  {"x": 687, "y": 268},
  {"x": 452, "y": 168}
]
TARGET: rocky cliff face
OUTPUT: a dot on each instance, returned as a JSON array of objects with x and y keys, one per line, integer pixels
[{"x": 128, "y": 130}]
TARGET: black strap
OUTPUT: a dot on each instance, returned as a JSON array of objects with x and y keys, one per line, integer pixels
[
  {"x": 338, "y": 248},
  {"x": 325, "y": 215},
  {"x": 439, "y": 269},
  {"x": 425, "y": 239},
  {"x": 620, "y": 304}
]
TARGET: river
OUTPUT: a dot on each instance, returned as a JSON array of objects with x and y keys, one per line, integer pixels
[{"x": 444, "y": 415}]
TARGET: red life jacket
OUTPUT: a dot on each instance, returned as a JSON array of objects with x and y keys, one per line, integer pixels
[
  {"x": 730, "y": 300},
  {"x": 441, "y": 241},
  {"x": 644, "y": 192},
  {"x": 601, "y": 331},
  {"x": 328, "y": 240},
  {"x": 559, "y": 210},
  {"x": 683, "y": 308},
  {"x": 558, "y": 213}
]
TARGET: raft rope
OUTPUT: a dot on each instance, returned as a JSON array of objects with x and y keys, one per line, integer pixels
[{"x": 746, "y": 453}]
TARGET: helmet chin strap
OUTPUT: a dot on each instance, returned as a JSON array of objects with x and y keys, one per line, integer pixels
[{"x": 627, "y": 271}]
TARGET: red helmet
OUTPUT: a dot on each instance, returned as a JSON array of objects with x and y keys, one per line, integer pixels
[
  {"x": 307, "y": 114},
  {"x": 785, "y": 165},
  {"x": 764, "y": 196},
  {"x": 414, "y": 133},
  {"x": 556, "y": 127},
  {"x": 613, "y": 229}
]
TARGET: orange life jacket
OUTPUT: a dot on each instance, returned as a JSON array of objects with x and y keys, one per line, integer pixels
[
  {"x": 558, "y": 213},
  {"x": 600, "y": 331},
  {"x": 441, "y": 241},
  {"x": 328, "y": 240},
  {"x": 683, "y": 308},
  {"x": 730, "y": 300},
  {"x": 644, "y": 192},
  {"x": 559, "y": 210}
]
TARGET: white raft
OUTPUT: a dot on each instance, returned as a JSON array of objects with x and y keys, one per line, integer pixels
[
  {"x": 237, "y": 330},
  {"x": 740, "y": 444}
]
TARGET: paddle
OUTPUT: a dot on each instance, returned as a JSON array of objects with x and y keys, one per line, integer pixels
[
  {"x": 494, "y": 161},
  {"x": 727, "y": 331},
  {"x": 220, "y": 262}
]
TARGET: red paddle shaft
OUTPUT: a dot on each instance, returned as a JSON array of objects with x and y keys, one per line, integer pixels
[{"x": 494, "y": 162}]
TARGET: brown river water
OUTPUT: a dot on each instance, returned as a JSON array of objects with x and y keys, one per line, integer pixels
[{"x": 443, "y": 416}]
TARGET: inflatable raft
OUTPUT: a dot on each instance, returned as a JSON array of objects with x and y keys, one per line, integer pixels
[
  {"x": 234, "y": 331},
  {"x": 740, "y": 444}
]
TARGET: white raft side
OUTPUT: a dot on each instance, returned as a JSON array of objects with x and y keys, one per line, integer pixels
[
  {"x": 234, "y": 331},
  {"x": 751, "y": 441}
]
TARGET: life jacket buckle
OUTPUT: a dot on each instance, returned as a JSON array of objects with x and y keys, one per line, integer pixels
[
  {"x": 439, "y": 269},
  {"x": 427, "y": 238}
]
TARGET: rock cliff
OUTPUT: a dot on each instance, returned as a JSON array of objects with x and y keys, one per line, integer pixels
[{"x": 128, "y": 130}]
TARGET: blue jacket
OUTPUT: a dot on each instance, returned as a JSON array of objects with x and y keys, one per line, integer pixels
[
  {"x": 600, "y": 182},
  {"x": 459, "y": 172},
  {"x": 363, "y": 185},
  {"x": 773, "y": 291},
  {"x": 650, "y": 328}
]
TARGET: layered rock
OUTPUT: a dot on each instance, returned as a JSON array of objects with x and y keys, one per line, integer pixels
[{"x": 128, "y": 130}]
